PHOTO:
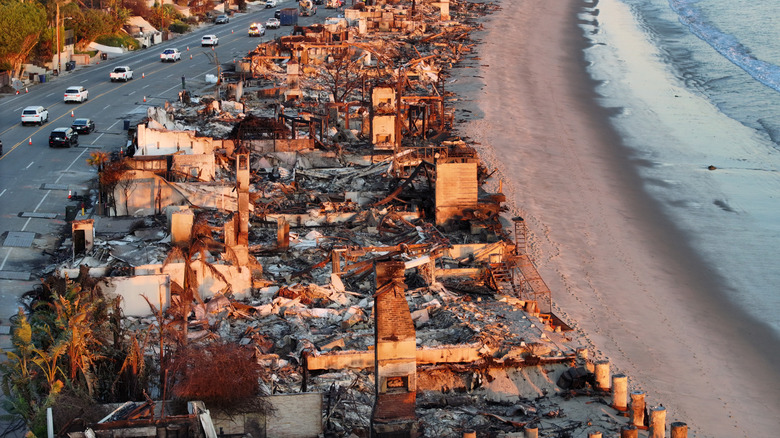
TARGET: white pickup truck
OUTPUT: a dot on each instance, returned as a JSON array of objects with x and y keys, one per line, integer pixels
[{"x": 121, "y": 73}]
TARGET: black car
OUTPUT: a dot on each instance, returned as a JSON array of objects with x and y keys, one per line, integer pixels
[
  {"x": 63, "y": 137},
  {"x": 278, "y": 13},
  {"x": 83, "y": 126}
]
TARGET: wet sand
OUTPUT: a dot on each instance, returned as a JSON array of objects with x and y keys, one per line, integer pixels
[{"x": 620, "y": 272}]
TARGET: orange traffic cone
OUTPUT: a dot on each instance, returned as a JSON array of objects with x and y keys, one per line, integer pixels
[
  {"x": 72, "y": 115},
  {"x": 26, "y": 90},
  {"x": 30, "y": 142},
  {"x": 17, "y": 91},
  {"x": 190, "y": 56},
  {"x": 188, "y": 48},
  {"x": 70, "y": 193},
  {"x": 231, "y": 30},
  {"x": 144, "y": 98},
  {"x": 143, "y": 75}
]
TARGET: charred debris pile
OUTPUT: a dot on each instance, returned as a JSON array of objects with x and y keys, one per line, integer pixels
[{"x": 314, "y": 207}]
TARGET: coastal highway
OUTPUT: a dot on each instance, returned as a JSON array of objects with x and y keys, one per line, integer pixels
[{"x": 35, "y": 180}]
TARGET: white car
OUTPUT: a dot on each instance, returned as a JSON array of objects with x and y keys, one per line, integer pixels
[
  {"x": 35, "y": 114},
  {"x": 171, "y": 55},
  {"x": 76, "y": 94},
  {"x": 121, "y": 73},
  {"x": 209, "y": 40},
  {"x": 273, "y": 23},
  {"x": 271, "y": 3}
]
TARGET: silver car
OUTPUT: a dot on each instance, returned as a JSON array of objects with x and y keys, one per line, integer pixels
[{"x": 76, "y": 94}]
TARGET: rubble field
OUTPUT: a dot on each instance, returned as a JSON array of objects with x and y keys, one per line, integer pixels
[{"x": 314, "y": 205}]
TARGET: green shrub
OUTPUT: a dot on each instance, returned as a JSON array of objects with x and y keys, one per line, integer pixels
[
  {"x": 118, "y": 40},
  {"x": 179, "y": 26}
]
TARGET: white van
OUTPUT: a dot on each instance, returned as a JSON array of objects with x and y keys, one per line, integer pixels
[{"x": 35, "y": 114}]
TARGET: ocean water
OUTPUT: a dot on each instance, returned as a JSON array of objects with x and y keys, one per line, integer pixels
[{"x": 695, "y": 89}]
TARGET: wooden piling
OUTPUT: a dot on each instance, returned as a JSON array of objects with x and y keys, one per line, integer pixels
[
  {"x": 629, "y": 431},
  {"x": 679, "y": 430},
  {"x": 469, "y": 434},
  {"x": 531, "y": 432},
  {"x": 638, "y": 408},
  {"x": 594, "y": 434},
  {"x": 620, "y": 392},
  {"x": 658, "y": 422},
  {"x": 602, "y": 375}
]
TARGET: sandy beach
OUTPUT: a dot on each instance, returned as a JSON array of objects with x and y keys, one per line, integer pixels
[{"x": 619, "y": 271}]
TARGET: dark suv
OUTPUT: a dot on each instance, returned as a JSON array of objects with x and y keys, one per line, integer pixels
[{"x": 63, "y": 137}]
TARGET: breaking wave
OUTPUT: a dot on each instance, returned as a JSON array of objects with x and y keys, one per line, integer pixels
[{"x": 725, "y": 44}]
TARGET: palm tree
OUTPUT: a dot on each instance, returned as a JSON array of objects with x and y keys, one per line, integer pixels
[
  {"x": 74, "y": 317},
  {"x": 200, "y": 246}
]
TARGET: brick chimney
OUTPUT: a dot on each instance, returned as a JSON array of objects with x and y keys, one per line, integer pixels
[{"x": 395, "y": 362}]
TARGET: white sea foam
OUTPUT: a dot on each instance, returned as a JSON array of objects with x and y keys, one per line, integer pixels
[{"x": 678, "y": 129}]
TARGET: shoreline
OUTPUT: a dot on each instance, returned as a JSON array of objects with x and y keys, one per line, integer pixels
[{"x": 596, "y": 234}]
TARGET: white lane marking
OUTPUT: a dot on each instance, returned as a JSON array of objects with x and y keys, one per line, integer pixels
[
  {"x": 3, "y": 192},
  {"x": 50, "y": 94},
  {"x": 38, "y": 206},
  {"x": 2, "y": 265},
  {"x": 5, "y": 259},
  {"x": 28, "y": 166},
  {"x": 107, "y": 107}
]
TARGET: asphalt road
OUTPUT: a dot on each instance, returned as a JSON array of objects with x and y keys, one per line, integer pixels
[{"x": 35, "y": 180}]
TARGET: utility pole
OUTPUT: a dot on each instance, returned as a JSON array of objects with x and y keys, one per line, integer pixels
[{"x": 59, "y": 60}]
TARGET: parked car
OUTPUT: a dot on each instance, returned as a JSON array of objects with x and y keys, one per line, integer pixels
[
  {"x": 83, "y": 126},
  {"x": 271, "y": 3},
  {"x": 76, "y": 94},
  {"x": 35, "y": 114},
  {"x": 63, "y": 137},
  {"x": 209, "y": 40},
  {"x": 121, "y": 73},
  {"x": 256, "y": 30},
  {"x": 171, "y": 55},
  {"x": 273, "y": 23},
  {"x": 222, "y": 19}
]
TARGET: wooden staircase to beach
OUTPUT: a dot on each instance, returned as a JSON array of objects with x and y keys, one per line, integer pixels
[
  {"x": 518, "y": 277},
  {"x": 534, "y": 288},
  {"x": 503, "y": 278}
]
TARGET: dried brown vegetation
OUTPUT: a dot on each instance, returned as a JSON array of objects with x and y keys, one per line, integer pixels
[{"x": 224, "y": 376}]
